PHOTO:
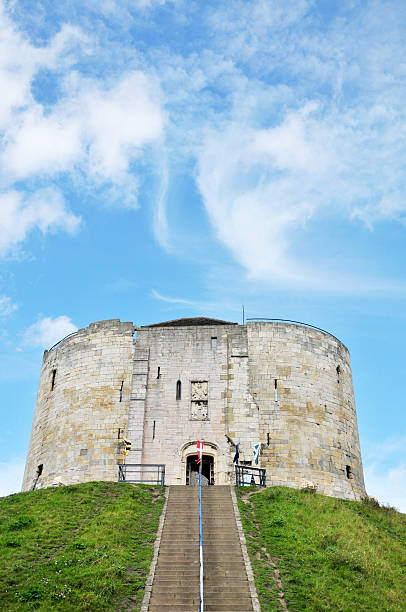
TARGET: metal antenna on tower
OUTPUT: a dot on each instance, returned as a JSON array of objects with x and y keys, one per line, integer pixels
[{"x": 243, "y": 315}]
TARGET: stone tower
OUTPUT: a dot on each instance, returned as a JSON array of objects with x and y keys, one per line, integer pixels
[{"x": 287, "y": 386}]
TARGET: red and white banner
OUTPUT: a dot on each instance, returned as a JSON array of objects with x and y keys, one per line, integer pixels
[{"x": 199, "y": 451}]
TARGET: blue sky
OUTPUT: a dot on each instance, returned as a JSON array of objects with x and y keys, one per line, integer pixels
[{"x": 166, "y": 159}]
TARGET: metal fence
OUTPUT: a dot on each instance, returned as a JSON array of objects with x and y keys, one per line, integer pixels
[
  {"x": 246, "y": 475},
  {"x": 146, "y": 473}
]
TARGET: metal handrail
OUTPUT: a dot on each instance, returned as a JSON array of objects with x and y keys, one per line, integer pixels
[
  {"x": 125, "y": 470},
  {"x": 59, "y": 341},
  {"x": 201, "y": 598},
  {"x": 240, "y": 470},
  {"x": 296, "y": 322}
]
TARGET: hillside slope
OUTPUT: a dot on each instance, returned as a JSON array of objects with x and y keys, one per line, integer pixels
[
  {"x": 83, "y": 547},
  {"x": 311, "y": 552}
]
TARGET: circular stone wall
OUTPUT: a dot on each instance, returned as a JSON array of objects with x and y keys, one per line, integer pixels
[
  {"x": 300, "y": 379},
  {"x": 82, "y": 407}
]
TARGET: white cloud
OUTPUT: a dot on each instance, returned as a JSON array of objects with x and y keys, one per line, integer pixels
[
  {"x": 20, "y": 60},
  {"x": 120, "y": 122},
  {"x": 101, "y": 130},
  {"x": 6, "y": 306},
  {"x": 258, "y": 186},
  {"x": 95, "y": 130},
  {"x": 40, "y": 144},
  {"x": 314, "y": 132},
  {"x": 48, "y": 331},
  {"x": 11, "y": 475},
  {"x": 19, "y": 215},
  {"x": 387, "y": 485},
  {"x": 264, "y": 187}
]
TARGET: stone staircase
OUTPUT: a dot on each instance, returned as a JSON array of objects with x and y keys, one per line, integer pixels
[{"x": 176, "y": 583}]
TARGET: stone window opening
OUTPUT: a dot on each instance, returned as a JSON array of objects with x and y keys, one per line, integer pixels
[
  {"x": 119, "y": 433},
  {"x": 158, "y": 374},
  {"x": 214, "y": 342},
  {"x": 276, "y": 390},
  {"x": 348, "y": 472},
  {"x": 178, "y": 390},
  {"x": 53, "y": 376},
  {"x": 338, "y": 370},
  {"x": 268, "y": 438},
  {"x": 153, "y": 430},
  {"x": 37, "y": 475},
  {"x": 121, "y": 391}
]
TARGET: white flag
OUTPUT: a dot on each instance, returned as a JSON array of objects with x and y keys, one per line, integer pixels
[{"x": 256, "y": 449}]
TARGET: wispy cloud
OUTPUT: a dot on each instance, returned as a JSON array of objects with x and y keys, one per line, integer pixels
[
  {"x": 172, "y": 300},
  {"x": 310, "y": 132},
  {"x": 161, "y": 229},
  {"x": 6, "y": 306}
]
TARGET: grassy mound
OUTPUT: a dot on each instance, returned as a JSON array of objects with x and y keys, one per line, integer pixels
[
  {"x": 82, "y": 547},
  {"x": 330, "y": 554}
]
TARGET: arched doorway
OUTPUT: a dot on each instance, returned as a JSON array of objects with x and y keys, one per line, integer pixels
[{"x": 192, "y": 470}]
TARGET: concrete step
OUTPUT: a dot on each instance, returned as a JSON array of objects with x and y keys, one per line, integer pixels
[
  {"x": 233, "y": 603},
  {"x": 209, "y": 545},
  {"x": 209, "y": 591},
  {"x": 176, "y": 582},
  {"x": 209, "y": 608},
  {"x": 217, "y": 574},
  {"x": 209, "y": 564}
]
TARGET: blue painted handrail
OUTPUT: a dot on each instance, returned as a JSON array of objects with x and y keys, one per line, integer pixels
[{"x": 201, "y": 541}]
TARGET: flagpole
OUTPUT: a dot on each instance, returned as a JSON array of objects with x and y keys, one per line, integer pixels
[{"x": 201, "y": 531}]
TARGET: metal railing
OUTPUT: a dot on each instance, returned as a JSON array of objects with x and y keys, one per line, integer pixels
[
  {"x": 259, "y": 319},
  {"x": 201, "y": 598},
  {"x": 62, "y": 339},
  {"x": 246, "y": 475},
  {"x": 147, "y": 473}
]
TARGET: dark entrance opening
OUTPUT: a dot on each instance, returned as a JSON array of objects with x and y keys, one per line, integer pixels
[{"x": 192, "y": 470}]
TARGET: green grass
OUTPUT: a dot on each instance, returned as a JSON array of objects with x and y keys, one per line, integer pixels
[
  {"x": 332, "y": 554},
  {"x": 82, "y": 547}
]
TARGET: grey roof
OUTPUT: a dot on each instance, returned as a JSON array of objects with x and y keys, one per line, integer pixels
[{"x": 191, "y": 322}]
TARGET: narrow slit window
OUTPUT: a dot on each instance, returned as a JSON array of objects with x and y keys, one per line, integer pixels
[
  {"x": 153, "y": 431},
  {"x": 119, "y": 433},
  {"x": 121, "y": 391},
  {"x": 214, "y": 342},
  {"x": 276, "y": 390},
  {"x": 267, "y": 438},
  {"x": 53, "y": 376},
  {"x": 338, "y": 370},
  {"x": 158, "y": 374},
  {"x": 178, "y": 390}
]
